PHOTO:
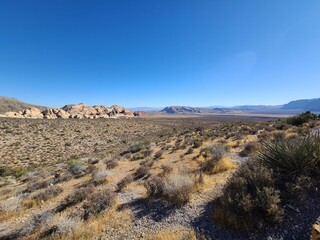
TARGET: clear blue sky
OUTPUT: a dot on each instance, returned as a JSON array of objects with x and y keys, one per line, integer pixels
[{"x": 159, "y": 52}]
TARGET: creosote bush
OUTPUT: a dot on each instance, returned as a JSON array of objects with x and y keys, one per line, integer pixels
[{"x": 249, "y": 199}]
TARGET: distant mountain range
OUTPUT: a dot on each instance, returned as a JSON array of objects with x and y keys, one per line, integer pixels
[
  {"x": 11, "y": 104},
  {"x": 292, "y": 107}
]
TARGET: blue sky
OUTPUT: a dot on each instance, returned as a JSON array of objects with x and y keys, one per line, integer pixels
[{"x": 159, "y": 53}]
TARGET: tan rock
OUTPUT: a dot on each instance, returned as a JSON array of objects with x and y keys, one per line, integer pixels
[
  {"x": 13, "y": 115},
  {"x": 32, "y": 113},
  {"x": 53, "y": 113}
]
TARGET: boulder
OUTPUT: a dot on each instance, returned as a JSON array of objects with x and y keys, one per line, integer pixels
[{"x": 53, "y": 113}]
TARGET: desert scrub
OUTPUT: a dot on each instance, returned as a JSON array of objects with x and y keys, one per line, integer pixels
[
  {"x": 249, "y": 198},
  {"x": 293, "y": 156},
  {"x": 249, "y": 149},
  {"x": 48, "y": 193},
  {"x": 111, "y": 164},
  {"x": 76, "y": 166},
  {"x": 99, "y": 177},
  {"x": 174, "y": 189},
  {"x": 74, "y": 198},
  {"x": 141, "y": 172},
  {"x": 13, "y": 171},
  {"x": 301, "y": 119},
  {"x": 97, "y": 202},
  {"x": 124, "y": 183}
]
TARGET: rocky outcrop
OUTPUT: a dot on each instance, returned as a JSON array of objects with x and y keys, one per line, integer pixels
[
  {"x": 32, "y": 113},
  {"x": 53, "y": 113},
  {"x": 78, "y": 111}
]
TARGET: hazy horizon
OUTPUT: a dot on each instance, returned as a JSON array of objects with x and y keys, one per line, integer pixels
[{"x": 157, "y": 54}]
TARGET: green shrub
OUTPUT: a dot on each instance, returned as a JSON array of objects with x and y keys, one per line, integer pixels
[
  {"x": 293, "y": 156},
  {"x": 249, "y": 199},
  {"x": 76, "y": 167},
  {"x": 301, "y": 119}
]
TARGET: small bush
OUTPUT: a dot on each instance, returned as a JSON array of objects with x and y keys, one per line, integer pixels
[
  {"x": 111, "y": 164},
  {"x": 99, "y": 177},
  {"x": 48, "y": 193},
  {"x": 142, "y": 172},
  {"x": 76, "y": 197},
  {"x": 175, "y": 189},
  {"x": 76, "y": 167},
  {"x": 158, "y": 154},
  {"x": 33, "y": 186},
  {"x": 197, "y": 142},
  {"x": 214, "y": 156},
  {"x": 249, "y": 149},
  {"x": 124, "y": 183},
  {"x": 97, "y": 202},
  {"x": 249, "y": 198}
]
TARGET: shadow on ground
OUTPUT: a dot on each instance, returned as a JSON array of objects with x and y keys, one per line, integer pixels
[{"x": 143, "y": 208}]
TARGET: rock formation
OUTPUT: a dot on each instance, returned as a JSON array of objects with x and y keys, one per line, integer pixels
[{"x": 78, "y": 111}]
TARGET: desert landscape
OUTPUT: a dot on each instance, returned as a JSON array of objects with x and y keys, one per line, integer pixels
[
  {"x": 159, "y": 120},
  {"x": 191, "y": 177}
]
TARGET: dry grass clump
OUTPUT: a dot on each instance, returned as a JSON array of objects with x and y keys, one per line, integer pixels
[
  {"x": 98, "y": 202},
  {"x": 216, "y": 161},
  {"x": 175, "y": 189},
  {"x": 249, "y": 198}
]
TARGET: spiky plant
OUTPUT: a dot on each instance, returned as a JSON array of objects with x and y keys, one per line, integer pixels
[{"x": 293, "y": 156}]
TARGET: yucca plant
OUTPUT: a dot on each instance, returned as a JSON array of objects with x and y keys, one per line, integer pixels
[{"x": 300, "y": 155}]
